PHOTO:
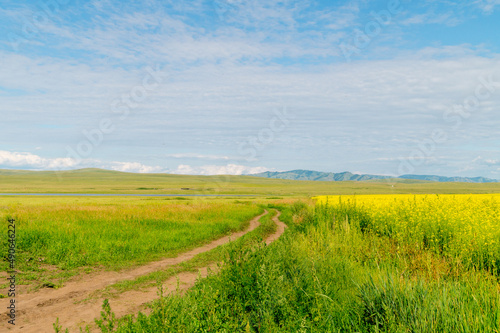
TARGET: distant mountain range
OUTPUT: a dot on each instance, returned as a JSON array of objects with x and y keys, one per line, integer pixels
[{"x": 344, "y": 176}]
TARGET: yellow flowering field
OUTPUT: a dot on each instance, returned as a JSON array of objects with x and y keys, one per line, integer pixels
[{"x": 465, "y": 226}]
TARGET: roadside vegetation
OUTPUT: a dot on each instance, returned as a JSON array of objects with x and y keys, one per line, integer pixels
[
  {"x": 364, "y": 263},
  {"x": 332, "y": 271},
  {"x": 204, "y": 259},
  {"x": 60, "y": 236}
]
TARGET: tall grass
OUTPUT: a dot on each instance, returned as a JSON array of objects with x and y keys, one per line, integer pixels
[
  {"x": 99, "y": 232},
  {"x": 327, "y": 275}
]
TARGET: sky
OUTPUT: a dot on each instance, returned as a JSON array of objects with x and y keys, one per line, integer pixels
[{"x": 244, "y": 86}]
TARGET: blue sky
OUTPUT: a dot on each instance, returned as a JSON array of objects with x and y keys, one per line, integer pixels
[{"x": 238, "y": 87}]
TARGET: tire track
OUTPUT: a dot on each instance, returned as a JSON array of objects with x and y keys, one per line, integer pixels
[{"x": 38, "y": 311}]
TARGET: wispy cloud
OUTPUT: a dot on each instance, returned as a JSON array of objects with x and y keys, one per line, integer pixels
[
  {"x": 488, "y": 6},
  {"x": 228, "y": 64},
  {"x": 448, "y": 19},
  {"x": 198, "y": 156},
  {"x": 29, "y": 161}
]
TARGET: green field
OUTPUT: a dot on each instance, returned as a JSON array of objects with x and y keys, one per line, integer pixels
[
  {"x": 62, "y": 235},
  {"x": 327, "y": 275},
  {"x": 409, "y": 265},
  {"x": 103, "y": 181}
]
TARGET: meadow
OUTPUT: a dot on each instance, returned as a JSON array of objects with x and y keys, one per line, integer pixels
[
  {"x": 105, "y": 181},
  {"x": 372, "y": 258},
  {"x": 335, "y": 270},
  {"x": 59, "y": 236}
]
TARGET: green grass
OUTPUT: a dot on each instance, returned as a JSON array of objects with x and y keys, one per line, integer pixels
[
  {"x": 326, "y": 275},
  {"x": 104, "y": 181},
  {"x": 59, "y": 237},
  {"x": 250, "y": 240}
]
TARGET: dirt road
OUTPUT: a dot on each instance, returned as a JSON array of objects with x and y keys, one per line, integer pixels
[{"x": 38, "y": 311}]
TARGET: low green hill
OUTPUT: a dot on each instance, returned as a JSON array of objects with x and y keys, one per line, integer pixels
[{"x": 106, "y": 181}]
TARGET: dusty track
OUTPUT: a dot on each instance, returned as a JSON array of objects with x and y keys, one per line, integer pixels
[{"x": 38, "y": 311}]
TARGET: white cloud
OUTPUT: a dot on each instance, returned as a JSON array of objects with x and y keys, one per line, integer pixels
[
  {"x": 229, "y": 169},
  {"x": 485, "y": 161},
  {"x": 135, "y": 167},
  {"x": 31, "y": 161},
  {"x": 488, "y": 6},
  {"x": 225, "y": 77},
  {"x": 199, "y": 156},
  {"x": 339, "y": 19},
  {"x": 431, "y": 18},
  {"x": 358, "y": 109},
  {"x": 247, "y": 30},
  {"x": 24, "y": 159}
]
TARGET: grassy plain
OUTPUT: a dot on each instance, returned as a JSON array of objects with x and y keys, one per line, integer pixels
[
  {"x": 326, "y": 274},
  {"x": 59, "y": 236},
  {"x": 103, "y": 181},
  {"x": 420, "y": 264},
  {"x": 248, "y": 241}
]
